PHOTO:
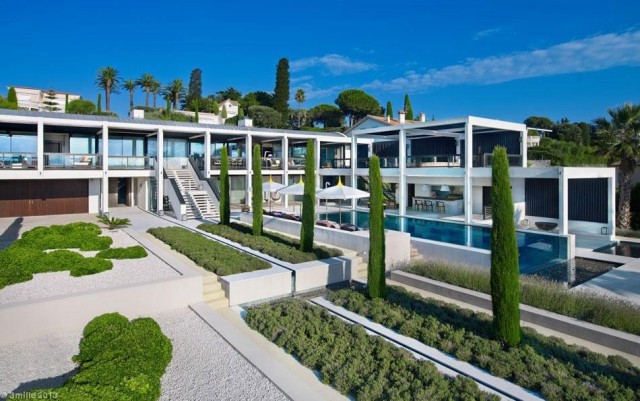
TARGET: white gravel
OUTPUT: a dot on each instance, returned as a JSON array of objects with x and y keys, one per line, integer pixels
[
  {"x": 203, "y": 367},
  {"x": 124, "y": 272}
]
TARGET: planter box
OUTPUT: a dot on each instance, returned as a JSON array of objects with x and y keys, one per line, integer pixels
[{"x": 258, "y": 285}]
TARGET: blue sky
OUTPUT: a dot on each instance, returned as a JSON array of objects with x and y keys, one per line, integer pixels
[{"x": 505, "y": 60}]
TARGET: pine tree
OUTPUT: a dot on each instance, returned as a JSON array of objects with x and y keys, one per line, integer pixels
[
  {"x": 195, "y": 88},
  {"x": 256, "y": 186},
  {"x": 505, "y": 275},
  {"x": 49, "y": 101},
  {"x": 12, "y": 97},
  {"x": 389, "y": 109},
  {"x": 308, "y": 219},
  {"x": 225, "y": 200},
  {"x": 376, "y": 284},
  {"x": 99, "y": 103},
  {"x": 407, "y": 107},
  {"x": 281, "y": 91}
]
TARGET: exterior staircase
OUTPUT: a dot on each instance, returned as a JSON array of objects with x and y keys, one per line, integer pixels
[
  {"x": 212, "y": 292},
  {"x": 198, "y": 203}
]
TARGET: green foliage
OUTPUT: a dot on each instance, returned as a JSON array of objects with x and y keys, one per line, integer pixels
[
  {"x": 130, "y": 86},
  {"x": 99, "y": 103},
  {"x": 265, "y": 117},
  {"x": 225, "y": 197},
  {"x": 66, "y": 103},
  {"x": 224, "y": 112},
  {"x": 327, "y": 115},
  {"x": 105, "y": 113},
  {"x": 376, "y": 279},
  {"x": 175, "y": 91},
  {"x": 113, "y": 222},
  {"x": 635, "y": 207},
  {"x": 118, "y": 360},
  {"x": 197, "y": 109},
  {"x": 211, "y": 255},
  {"x": 215, "y": 108},
  {"x": 109, "y": 80},
  {"x": 407, "y": 107},
  {"x": 389, "y": 110},
  {"x": 356, "y": 364},
  {"x": 357, "y": 104},
  {"x": 539, "y": 122},
  {"x": 256, "y": 187},
  {"x": 279, "y": 246},
  {"x": 12, "y": 97},
  {"x": 230, "y": 93},
  {"x": 308, "y": 218},
  {"x": 195, "y": 89},
  {"x": 505, "y": 288},
  {"x": 79, "y": 106},
  {"x": 132, "y": 252},
  {"x": 6, "y": 104},
  {"x": 49, "y": 101},
  {"x": 257, "y": 98},
  {"x": 568, "y": 154},
  {"x": 281, "y": 91},
  {"x": 545, "y": 365},
  {"x": 146, "y": 82}
]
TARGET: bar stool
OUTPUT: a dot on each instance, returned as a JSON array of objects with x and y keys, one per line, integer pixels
[
  {"x": 420, "y": 204},
  {"x": 440, "y": 206},
  {"x": 428, "y": 205}
]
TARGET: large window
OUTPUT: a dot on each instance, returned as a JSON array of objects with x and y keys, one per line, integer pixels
[
  {"x": 126, "y": 146},
  {"x": 174, "y": 147},
  {"x": 238, "y": 189},
  {"x": 82, "y": 144},
  {"x": 18, "y": 143},
  {"x": 196, "y": 149}
]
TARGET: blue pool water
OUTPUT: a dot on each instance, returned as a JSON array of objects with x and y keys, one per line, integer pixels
[{"x": 534, "y": 249}]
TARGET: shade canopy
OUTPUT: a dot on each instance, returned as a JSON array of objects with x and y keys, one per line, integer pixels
[
  {"x": 294, "y": 189},
  {"x": 341, "y": 191},
  {"x": 271, "y": 186}
]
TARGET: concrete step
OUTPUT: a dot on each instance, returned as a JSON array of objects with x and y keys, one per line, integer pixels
[{"x": 219, "y": 304}]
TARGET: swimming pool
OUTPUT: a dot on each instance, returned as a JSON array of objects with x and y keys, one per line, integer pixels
[
  {"x": 534, "y": 249},
  {"x": 623, "y": 248}
]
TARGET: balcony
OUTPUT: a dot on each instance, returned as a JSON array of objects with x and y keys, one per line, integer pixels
[
  {"x": 296, "y": 163},
  {"x": 335, "y": 163},
  {"x": 235, "y": 163},
  {"x": 132, "y": 162},
  {"x": 18, "y": 160},
  {"x": 485, "y": 159},
  {"x": 76, "y": 161},
  {"x": 385, "y": 162},
  {"x": 435, "y": 161},
  {"x": 272, "y": 163}
]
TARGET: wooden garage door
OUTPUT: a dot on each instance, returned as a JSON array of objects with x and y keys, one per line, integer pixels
[{"x": 43, "y": 197}]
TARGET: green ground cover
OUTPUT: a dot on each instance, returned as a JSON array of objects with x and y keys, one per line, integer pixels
[
  {"x": 278, "y": 246},
  {"x": 132, "y": 252},
  {"x": 545, "y": 365},
  {"x": 118, "y": 360},
  {"x": 213, "y": 256},
  {"x": 554, "y": 297},
  {"x": 351, "y": 361}
]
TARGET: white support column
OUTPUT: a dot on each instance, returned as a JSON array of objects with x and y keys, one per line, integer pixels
[
  {"x": 104, "y": 193},
  {"x": 40, "y": 147},
  {"x": 468, "y": 168},
  {"x": 563, "y": 200},
  {"x": 285, "y": 163},
  {"x": 523, "y": 147},
  {"x": 402, "y": 179},
  {"x": 249, "y": 150},
  {"x": 354, "y": 165},
  {"x": 207, "y": 154},
  {"x": 611, "y": 206},
  {"x": 160, "y": 171}
]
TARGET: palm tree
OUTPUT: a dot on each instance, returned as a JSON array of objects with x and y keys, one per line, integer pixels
[
  {"x": 109, "y": 80},
  {"x": 619, "y": 141},
  {"x": 175, "y": 89},
  {"x": 129, "y": 85},
  {"x": 146, "y": 82},
  {"x": 155, "y": 88},
  {"x": 300, "y": 98}
]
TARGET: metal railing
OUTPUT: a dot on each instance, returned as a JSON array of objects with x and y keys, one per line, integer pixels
[
  {"x": 296, "y": 163},
  {"x": 235, "y": 163},
  {"x": 78, "y": 161},
  {"x": 484, "y": 160},
  {"x": 385, "y": 162},
  {"x": 18, "y": 160},
  {"x": 335, "y": 163},
  {"x": 132, "y": 162},
  {"x": 175, "y": 163},
  {"x": 435, "y": 161}
]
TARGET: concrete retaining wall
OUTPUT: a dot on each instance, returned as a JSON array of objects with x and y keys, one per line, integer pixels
[
  {"x": 451, "y": 253},
  {"x": 34, "y": 318},
  {"x": 607, "y": 337},
  {"x": 320, "y": 273},
  {"x": 257, "y": 285}
]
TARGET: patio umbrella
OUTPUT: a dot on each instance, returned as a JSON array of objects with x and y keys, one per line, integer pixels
[
  {"x": 341, "y": 192},
  {"x": 294, "y": 189},
  {"x": 271, "y": 186}
]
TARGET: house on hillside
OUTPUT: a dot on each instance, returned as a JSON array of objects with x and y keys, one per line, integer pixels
[{"x": 34, "y": 99}]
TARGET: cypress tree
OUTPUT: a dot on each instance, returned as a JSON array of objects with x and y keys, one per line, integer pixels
[
  {"x": 66, "y": 103},
  {"x": 167, "y": 111},
  {"x": 215, "y": 108},
  {"x": 407, "y": 107},
  {"x": 505, "y": 275},
  {"x": 12, "y": 97},
  {"x": 308, "y": 219},
  {"x": 99, "y": 102},
  {"x": 197, "y": 106},
  {"x": 224, "y": 111},
  {"x": 195, "y": 88},
  {"x": 376, "y": 284},
  {"x": 225, "y": 199},
  {"x": 389, "y": 109},
  {"x": 240, "y": 113},
  {"x": 281, "y": 92},
  {"x": 256, "y": 187}
]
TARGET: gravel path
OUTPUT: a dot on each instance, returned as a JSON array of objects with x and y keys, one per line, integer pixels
[
  {"x": 204, "y": 366},
  {"x": 124, "y": 272}
]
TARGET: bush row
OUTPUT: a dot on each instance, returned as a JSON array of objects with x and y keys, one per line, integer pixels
[
  {"x": 118, "y": 360},
  {"x": 132, "y": 252},
  {"x": 278, "y": 246},
  {"x": 545, "y": 365},
  {"x": 551, "y": 296},
  {"x": 354, "y": 363},
  {"x": 213, "y": 256}
]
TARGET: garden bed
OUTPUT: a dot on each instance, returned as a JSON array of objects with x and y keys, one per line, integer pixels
[
  {"x": 545, "y": 365},
  {"x": 553, "y": 297},
  {"x": 353, "y": 362},
  {"x": 210, "y": 255},
  {"x": 278, "y": 246}
]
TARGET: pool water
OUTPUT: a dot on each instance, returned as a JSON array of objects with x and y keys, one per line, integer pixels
[
  {"x": 628, "y": 249},
  {"x": 572, "y": 272},
  {"x": 534, "y": 249}
]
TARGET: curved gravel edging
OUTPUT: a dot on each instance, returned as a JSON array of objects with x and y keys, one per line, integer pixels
[{"x": 124, "y": 272}]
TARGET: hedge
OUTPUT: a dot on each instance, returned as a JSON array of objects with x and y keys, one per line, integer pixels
[
  {"x": 118, "y": 360},
  {"x": 84, "y": 236},
  {"x": 213, "y": 256},
  {"x": 132, "y": 252},
  {"x": 278, "y": 246},
  {"x": 356, "y": 364},
  {"x": 584, "y": 305},
  {"x": 545, "y": 365}
]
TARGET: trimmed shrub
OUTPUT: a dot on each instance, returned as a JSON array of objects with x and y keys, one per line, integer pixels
[
  {"x": 505, "y": 289},
  {"x": 256, "y": 189},
  {"x": 84, "y": 236},
  {"x": 225, "y": 199},
  {"x": 279, "y": 246},
  {"x": 132, "y": 252},
  {"x": 308, "y": 218},
  {"x": 118, "y": 360},
  {"x": 376, "y": 280},
  {"x": 212, "y": 256}
]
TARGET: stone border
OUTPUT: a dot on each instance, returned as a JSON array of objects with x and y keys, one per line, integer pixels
[{"x": 605, "y": 336}]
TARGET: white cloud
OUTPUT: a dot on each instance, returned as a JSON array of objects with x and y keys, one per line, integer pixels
[
  {"x": 301, "y": 79},
  {"x": 311, "y": 92},
  {"x": 486, "y": 32},
  {"x": 584, "y": 55},
  {"x": 334, "y": 64}
]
